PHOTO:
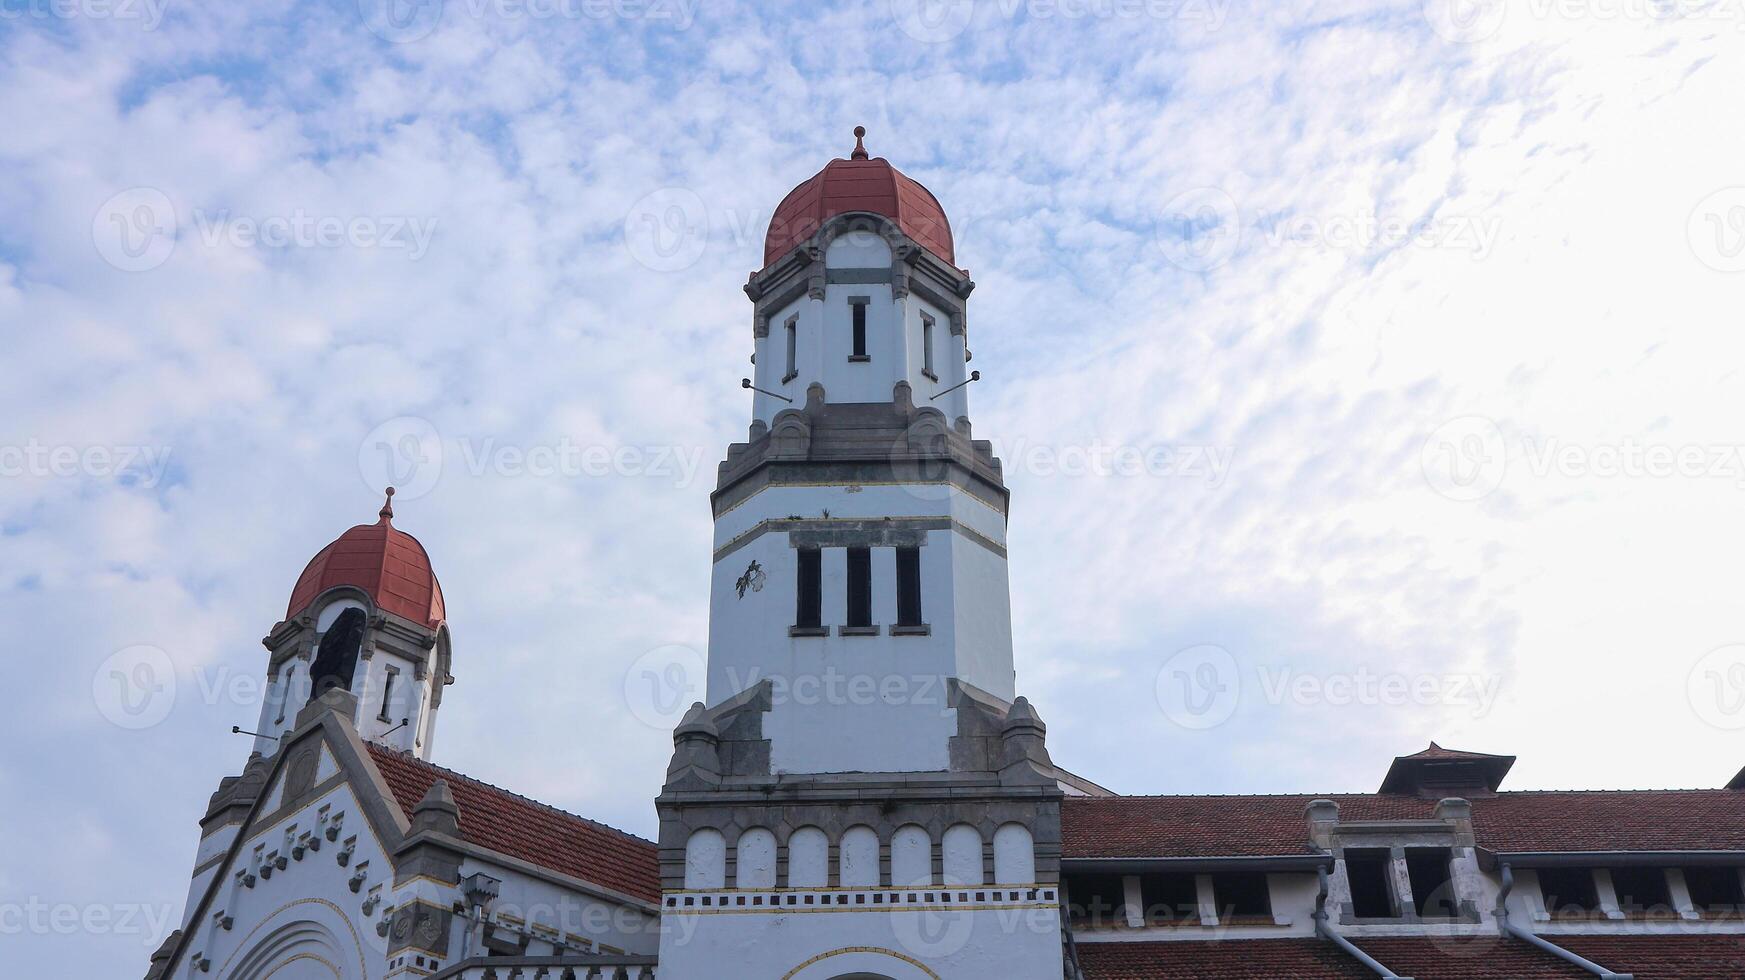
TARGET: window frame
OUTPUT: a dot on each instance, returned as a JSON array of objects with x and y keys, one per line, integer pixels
[{"x": 858, "y": 329}]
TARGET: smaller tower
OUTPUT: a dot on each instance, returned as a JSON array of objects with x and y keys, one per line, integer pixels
[{"x": 366, "y": 615}]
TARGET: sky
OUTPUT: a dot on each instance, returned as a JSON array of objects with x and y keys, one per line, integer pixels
[{"x": 1365, "y": 373}]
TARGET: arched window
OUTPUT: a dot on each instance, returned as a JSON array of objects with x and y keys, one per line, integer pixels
[
  {"x": 1014, "y": 855},
  {"x": 808, "y": 859},
  {"x": 336, "y": 658},
  {"x": 911, "y": 857},
  {"x": 859, "y": 855},
  {"x": 706, "y": 859},
  {"x": 755, "y": 859},
  {"x": 962, "y": 858}
]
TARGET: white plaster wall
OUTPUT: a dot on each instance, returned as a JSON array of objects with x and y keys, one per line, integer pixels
[
  {"x": 612, "y": 925},
  {"x": 911, "y": 856},
  {"x": 313, "y": 889},
  {"x": 859, "y": 857},
  {"x": 862, "y": 703},
  {"x": 972, "y": 944},
  {"x": 961, "y": 850},
  {"x": 1014, "y": 855},
  {"x": 409, "y": 699},
  {"x": 755, "y": 859},
  {"x": 825, "y": 340},
  {"x": 808, "y": 858},
  {"x": 706, "y": 859}
]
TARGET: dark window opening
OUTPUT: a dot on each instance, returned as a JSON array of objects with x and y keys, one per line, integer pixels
[
  {"x": 1715, "y": 890},
  {"x": 859, "y": 328},
  {"x": 1169, "y": 897},
  {"x": 388, "y": 694},
  {"x": 285, "y": 693},
  {"x": 927, "y": 347},
  {"x": 336, "y": 657},
  {"x": 860, "y": 586},
  {"x": 1096, "y": 899},
  {"x": 1242, "y": 894},
  {"x": 1368, "y": 871},
  {"x": 1642, "y": 890},
  {"x": 1568, "y": 891},
  {"x": 1432, "y": 882},
  {"x": 908, "y": 586},
  {"x": 793, "y": 332},
  {"x": 809, "y": 605}
]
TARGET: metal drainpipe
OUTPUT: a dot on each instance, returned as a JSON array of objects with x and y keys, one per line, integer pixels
[
  {"x": 1072, "y": 949},
  {"x": 1325, "y": 930},
  {"x": 1528, "y": 937}
]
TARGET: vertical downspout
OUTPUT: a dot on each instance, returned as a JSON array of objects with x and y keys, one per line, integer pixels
[
  {"x": 1325, "y": 930},
  {"x": 1510, "y": 929}
]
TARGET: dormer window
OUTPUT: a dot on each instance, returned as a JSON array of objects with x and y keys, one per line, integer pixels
[{"x": 857, "y": 310}]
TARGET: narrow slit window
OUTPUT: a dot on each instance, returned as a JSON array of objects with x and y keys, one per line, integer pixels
[
  {"x": 388, "y": 694},
  {"x": 858, "y": 308},
  {"x": 808, "y": 609},
  {"x": 909, "y": 586},
  {"x": 927, "y": 347},
  {"x": 793, "y": 335},
  {"x": 860, "y": 586},
  {"x": 1372, "y": 895},
  {"x": 285, "y": 692}
]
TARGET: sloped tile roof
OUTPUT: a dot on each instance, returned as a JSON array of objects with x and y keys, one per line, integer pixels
[
  {"x": 1251, "y": 959},
  {"x": 501, "y": 821},
  {"x": 1480, "y": 957},
  {"x": 1668, "y": 957},
  {"x": 1253, "y": 826}
]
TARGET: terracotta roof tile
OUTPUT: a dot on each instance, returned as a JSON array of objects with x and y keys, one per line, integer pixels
[
  {"x": 501, "y": 821},
  {"x": 1480, "y": 957},
  {"x": 1243, "y": 826},
  {"x": 1669, "y": 957},
  {"x": 858, "y": 185},
  {"x": 1254, "y": 959}
]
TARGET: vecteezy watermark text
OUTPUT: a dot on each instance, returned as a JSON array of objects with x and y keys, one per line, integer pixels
[{"x": 142, "y": 465}]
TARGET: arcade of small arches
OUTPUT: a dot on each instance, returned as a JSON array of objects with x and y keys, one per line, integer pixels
[{"x": 805, "y": 859}]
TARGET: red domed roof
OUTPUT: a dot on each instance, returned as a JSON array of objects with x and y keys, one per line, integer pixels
[
  {"x": 382, "y": 560},
  {"x": 858, "y": 184}
]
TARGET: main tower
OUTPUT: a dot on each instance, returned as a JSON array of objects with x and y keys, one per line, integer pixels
[{"x": 862, "y": 793}]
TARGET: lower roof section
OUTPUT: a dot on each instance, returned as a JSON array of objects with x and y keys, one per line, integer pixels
[
  {"x": 1485, "y": 957},
  {"x": 1668, "y": 957},
  {"x": 1254, "y": 959}
]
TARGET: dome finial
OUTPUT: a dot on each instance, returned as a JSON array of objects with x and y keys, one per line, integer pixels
[
  {"x": 859, "y": 147},
  {"x": 387, "y": 511}
]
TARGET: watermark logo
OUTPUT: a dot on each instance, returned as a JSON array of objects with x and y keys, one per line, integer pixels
[
  {"x": 1465, "y": 21},
  {"x": 933, "y": 933},
  {"x": 1465, "y": 458},
  {"x": 668, "y": 229},
  {"x": 1717, "y": 230},
  {"x": 148, "y": 13},
  {"x": 1200, "y": 687},
  {"x": 1716, "y": 687},
  {"x": 135, "y": 687},
  {"x": 135, "y": 231},
  {"x": 663, "y": 683},
  {"x": 401, "y": 21},
  {"x": 303, "y": 230},
  {"x": 404, "y": 453},
  {"x": 1200, "y": 229},
  {"x": 933, "y": 21}
]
